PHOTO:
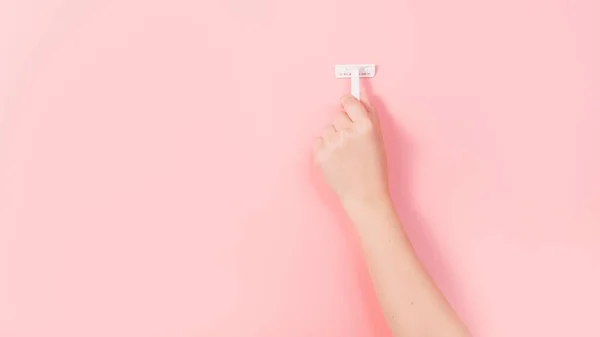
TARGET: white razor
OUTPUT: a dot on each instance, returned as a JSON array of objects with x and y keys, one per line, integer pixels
[{"x": 354, "y": 72}]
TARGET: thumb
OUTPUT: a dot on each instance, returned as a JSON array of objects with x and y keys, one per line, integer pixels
[
  {"x": 369, "y": 106},
  {"x": 354, "y": 108}
]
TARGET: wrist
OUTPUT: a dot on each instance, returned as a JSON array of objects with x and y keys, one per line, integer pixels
[
  {"x": 364, "y": 206},
  {"x": 374, "y": 219}
]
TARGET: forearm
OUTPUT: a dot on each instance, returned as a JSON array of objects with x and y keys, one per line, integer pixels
[{"x": 412, "y": 304}]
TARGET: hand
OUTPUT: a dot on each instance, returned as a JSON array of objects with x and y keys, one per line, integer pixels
[{"x": 351, "y": 155}]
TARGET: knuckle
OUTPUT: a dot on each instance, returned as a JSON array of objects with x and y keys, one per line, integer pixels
[{"x": 366, "y": 125}]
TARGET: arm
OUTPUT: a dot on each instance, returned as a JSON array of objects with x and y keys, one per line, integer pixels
[
  {"x": 410, "y": 300},
  {"x": 351, "y": 155}
]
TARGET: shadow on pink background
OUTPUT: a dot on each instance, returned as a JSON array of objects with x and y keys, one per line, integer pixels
[{"x": 155, "y": 175}]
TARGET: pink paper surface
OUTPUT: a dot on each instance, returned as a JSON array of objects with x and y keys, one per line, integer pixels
[{"x": 155, "y": 173}]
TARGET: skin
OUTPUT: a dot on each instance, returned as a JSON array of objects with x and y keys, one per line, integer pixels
[{"x": 351, "y": 156}]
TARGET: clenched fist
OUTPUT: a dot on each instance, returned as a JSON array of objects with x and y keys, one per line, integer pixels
[{"x": 351, "y": 155}]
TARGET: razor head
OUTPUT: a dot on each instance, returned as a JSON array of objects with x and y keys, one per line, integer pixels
[{"x": 346, "y": 70}]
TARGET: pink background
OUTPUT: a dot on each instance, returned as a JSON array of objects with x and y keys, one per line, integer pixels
[{"x": 155, "y": 174}]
